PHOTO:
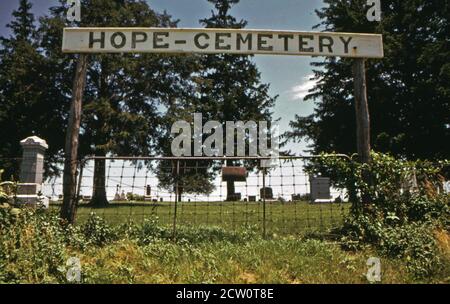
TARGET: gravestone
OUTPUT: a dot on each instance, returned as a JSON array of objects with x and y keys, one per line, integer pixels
[
  {"x": 235, "y": 197},
  {"x": 320, "y": 189},
  {"x": 117, "y": 195},
  {"x": 268, "y": 193},
  {"x": 32, "y": 173},
  {"x": 123, "y": 196},
  {"x": 233, "y": 175},
  {"x": 148, "y": 193},
  {"x": 296, "y": 197}
]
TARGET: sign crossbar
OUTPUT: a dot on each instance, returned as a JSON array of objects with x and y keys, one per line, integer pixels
[{"x": 221, "y": 41}]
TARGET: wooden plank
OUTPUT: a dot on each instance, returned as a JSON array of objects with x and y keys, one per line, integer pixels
[{"x": 221, "y": 41}]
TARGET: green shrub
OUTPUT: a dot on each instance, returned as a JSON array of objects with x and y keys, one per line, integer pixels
[
  {"x": 5, "y": 192},
  {"x": 407, "y": 205},
  {"x": 35, "y": 245},
  {"x": 97, "y": 231},
  {"x": 32, "y": 247},
  {"x": 416, "y": 244}
]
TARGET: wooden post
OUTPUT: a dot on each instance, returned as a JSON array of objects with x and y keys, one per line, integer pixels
[
  {"x": 362, "y": 111},
  {"x": 68, "y": 209},
  {"x": 362, "y": 119}
]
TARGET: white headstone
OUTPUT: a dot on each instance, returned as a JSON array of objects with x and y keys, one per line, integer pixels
[{"x": 32, "y": 172}]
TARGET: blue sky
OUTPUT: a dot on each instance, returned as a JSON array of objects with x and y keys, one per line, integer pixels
[{"x": 287, "y": 75}]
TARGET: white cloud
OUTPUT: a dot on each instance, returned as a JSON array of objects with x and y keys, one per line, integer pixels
[{"x": 300, "y": 91}]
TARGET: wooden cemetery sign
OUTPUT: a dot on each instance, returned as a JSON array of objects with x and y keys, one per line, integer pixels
[{"x": 221, "y": 41}]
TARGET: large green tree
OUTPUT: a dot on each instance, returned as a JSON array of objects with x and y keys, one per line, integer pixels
[
  {"x": 125, "y": 93},
  {"x": 225, "y": 88},
  {"x": 183, "y": 176},
  {"x": 229, "y": 87},
  {"x": 26, "y": 94},
  {"x": 408, "y": 90}
]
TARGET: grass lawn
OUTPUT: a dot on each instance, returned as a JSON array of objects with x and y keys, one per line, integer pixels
[
  {"x": 281, "y": 218},
  {"x": 209, "y": 252},
  {"x": 212, "y": 246},
  {"x": 284, "y": 260}
]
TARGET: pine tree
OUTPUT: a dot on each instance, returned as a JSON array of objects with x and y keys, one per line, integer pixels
[
  {"x": 23, "y": 23},
  {"x": 124, "y": 92},
  {"x": 229, "y": 86},
  {"x": 226, "y": 88},
  {"x": 25, "y": 110},
  {"x": 193, "y": 176},
  {"x": 408, "y": 91}
]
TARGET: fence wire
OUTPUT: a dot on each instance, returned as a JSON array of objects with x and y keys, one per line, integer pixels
[
  {"x": 211, "y": 192},
  {"x": 231, "y": 193}
]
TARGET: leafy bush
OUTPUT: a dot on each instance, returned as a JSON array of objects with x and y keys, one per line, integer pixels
[
  {"x": 35, "y": 245},
  {"x": 407, "y": 205},
  {"x": 98, "y": 232},
  {"x": 5, "y": 192},
  {"x": 32, "y": 247},
  {"x": 415, "y": 243}
]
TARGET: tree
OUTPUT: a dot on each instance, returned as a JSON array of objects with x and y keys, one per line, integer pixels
[
  {"x": 229, "y": 87},
  {"x": 183, "y": 176},
  {"x": 408, "y": 90},
  {"x": 27, "y": 107},
  {"x": 124, "y": 92}
]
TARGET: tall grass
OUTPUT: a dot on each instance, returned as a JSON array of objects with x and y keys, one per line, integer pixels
[{"x": 34, "y": 248}]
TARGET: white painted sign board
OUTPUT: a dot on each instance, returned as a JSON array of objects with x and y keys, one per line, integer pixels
[{"x": 220, "y": 41}]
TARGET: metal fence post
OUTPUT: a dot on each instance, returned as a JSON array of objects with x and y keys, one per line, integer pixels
[
  {"x": 177, "y": 173},
  {"x": 264, "y": 202},
  {"x": 77, "y": 195}
]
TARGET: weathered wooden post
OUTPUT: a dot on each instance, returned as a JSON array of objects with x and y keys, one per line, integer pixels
[
  {"x": 362, "y": 110},
  {"x": 362, "y": 120},
  {"x": 68, "y": 209}
]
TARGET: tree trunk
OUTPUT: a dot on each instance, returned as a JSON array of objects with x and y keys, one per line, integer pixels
[
  {"x": 99, "y": 198},
  {"x": 69, "y": 208}
]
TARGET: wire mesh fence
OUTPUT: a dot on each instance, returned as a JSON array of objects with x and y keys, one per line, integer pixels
[{"x": 230, "y": 193}]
